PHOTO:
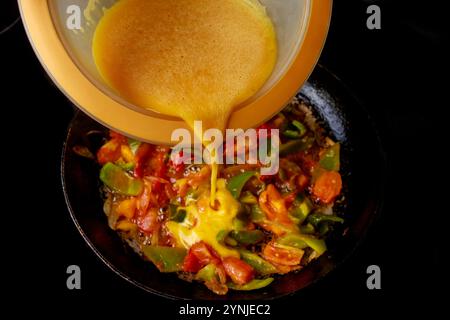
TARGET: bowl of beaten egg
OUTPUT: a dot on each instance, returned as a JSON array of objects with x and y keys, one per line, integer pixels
[{"x": 146, "y": 68}]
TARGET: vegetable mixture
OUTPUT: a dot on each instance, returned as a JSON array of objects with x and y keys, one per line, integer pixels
[{"x": 260, "y": 226}]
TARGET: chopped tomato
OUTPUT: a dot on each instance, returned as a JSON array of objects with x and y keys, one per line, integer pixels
[
  {"x": 282, "y": 269},
  {"x": 191, "y": 263},
  {"x": 197, "y": 178},
  {"x": 267, "y": 178},
  {"x": 177, "y": 163},
  {"x": 302, "y": 182},
  {"x": 117, "y": 136},
  {"x": 145, "y": 199},
  {"x": 148, "y": 222},
  {"x": 239, "y": 271},
  {"x": 282, "y": 256},
  {"x": 109, "y": 152},
  {"x": 169, "y": 191},
  {"x": 327, "y": 186},
  {"x": 142, "y": 155},
  {"x": 156, "y": 165},
  {"x": 200, "y": 255},
  {"x": 289, "y": 198},
  {"x": 204, "y": 253},
  {"x": 273, "y": 205}
]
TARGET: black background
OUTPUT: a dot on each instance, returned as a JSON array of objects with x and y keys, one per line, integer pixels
[{"x": 399, "y": 74}]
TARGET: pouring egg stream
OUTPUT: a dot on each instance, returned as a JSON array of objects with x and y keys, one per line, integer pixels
[{"x": 195, "y": 59}]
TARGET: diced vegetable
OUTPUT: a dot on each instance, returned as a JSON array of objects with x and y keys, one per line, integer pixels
[
  {"x": 300, "y": 208},
  {"x": 203, "y": 252},
  {"x": 126, "y": 153},
  {"x": 256, "y": 214},
  {"x": 236, "y": 183},
  {"x": 191, "y": 263},
  {"x": 292, "y": 240},
  {"x": 301, "y": 241},
  {"x": 300, "y": 127},
  {"x": 296, "y": 146},
  {"x": 324, "y": 228},
  {"x": 247, "y": 237},
  {"x": 260, "y": 265},
  {"x": 239, "y": 224},
  {"x": 109, "y": 152},
  {"x": 282, "y": 255},
  {"x": 302, "y": 182},
  {"x": 127, "y": 208},
  {"x": 252, "y": 285},
  {"x": 295, "y": 131},
  {"x": 273, "y": 205},
  {"x": 142, "y": 154},
  {"x": 127, "y": 166},
  {"x": 117, "y": 179},
  {"x": 239, "y": 271},
  {"x": 224, "y": 238},
  {"x": 134, "y": 145},
  {"x": 316, "y": 218},
  {"x": 248, "y": 198},
  {"x": 330, "y": 159},
  {"x": 177, "y": 162},
  {"x": 307, "y": 229},
  {"x": 231, "y": 241},
  {"x": 327, "y": 186},
  {"x": 166, "y": 259},
  {"x": 222, "y": 235},
  {"x": 207, "y": 273}
]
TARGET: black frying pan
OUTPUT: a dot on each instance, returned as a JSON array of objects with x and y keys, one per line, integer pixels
[{"x": 362, "y": 168}]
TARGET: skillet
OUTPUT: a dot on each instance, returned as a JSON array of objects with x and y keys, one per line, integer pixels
[{"x": 363, "y": 167}]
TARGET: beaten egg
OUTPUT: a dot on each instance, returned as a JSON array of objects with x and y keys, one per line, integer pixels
[{"x": 195, "y": 59}]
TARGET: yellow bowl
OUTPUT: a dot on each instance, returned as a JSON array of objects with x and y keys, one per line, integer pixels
[{"x": 66, "y": 55}]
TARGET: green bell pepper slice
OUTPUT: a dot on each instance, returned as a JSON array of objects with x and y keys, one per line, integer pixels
[
  {"x": 330, "y": 159},
  {"x": 260, "y": 265},
  {"x": 316, "y": 218},
  {"x": 127, "y": 166},
  {"x": 299, "y": 131},
  {"x": 117, "y": 179},
  {"x": 166, "y": 259},
  {"x": 307, "y": 229},
  {"x": 252, "y": 285},
  {"x": 256, "y": 214},
  {"x": 236, "y": 183},
  {"x": 248, "y": 198},
  {"x": 224, "y": 238},
  {"x": 294, "y": 146},
  {"x": 301, "y": 241},
  {"x": 247, "y": 237},
  {"x": 207, "y": 273},
  {"x": 301, "y": 208}
]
